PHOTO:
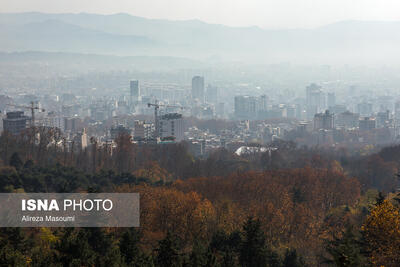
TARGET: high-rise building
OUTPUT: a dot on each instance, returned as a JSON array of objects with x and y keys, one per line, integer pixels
[
  {"x": 365, "y": 109},
  {"x": 198, "y": 88},
  {"x": 367, "y": 123},
  {"x": 245, "y": 107},
  {"x": 81, "y": 139},
  {"x": 382, "y": 119},
  {"x": 397, "y": 110},
  {"x": 135, "y": 91},
  {"x": 263, "y": 102},
  {"x": 337, "y": 109},
  {"x": 54, "y": 121},
  {"x": 315, "y": 100},
  {"x": 73, "y": 125},
  {"x": 171, "y": 125},
  {"x": 212, "y": 94},
  {"x": 207, "y": 113},
  {"x": 250, "y": 107},
  {"x": 397, "y": 117},
  {"x": 291, "y": 111},
  {"x": 331, "y": 100},
  {"x": 67, "y": 110},
  {"x": 119, "y": 130},
  {"x": 347, "y": 120},
  {"x": 325, "y": 121},
  {"x": 142, "y": 130},
  {"x": 139, "y": 130},
  {"x": 220, "y": 110},
  {"x": 15, "y": 122}
]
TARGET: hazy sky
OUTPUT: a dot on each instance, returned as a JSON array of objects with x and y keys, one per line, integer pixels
[{"x": 263, "y": 13}]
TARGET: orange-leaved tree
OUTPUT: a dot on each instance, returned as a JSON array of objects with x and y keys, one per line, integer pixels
[{"x": 381, "y": 231}]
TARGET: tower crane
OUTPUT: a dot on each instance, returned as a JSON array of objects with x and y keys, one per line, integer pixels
[
  {"x": 156, "y": 108},
  {"x": 32, "y": 107}
]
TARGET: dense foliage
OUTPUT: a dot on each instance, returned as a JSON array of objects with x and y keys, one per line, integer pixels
[{"x": 297, "y": 207}]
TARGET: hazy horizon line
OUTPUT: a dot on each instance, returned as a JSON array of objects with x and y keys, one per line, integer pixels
[{"x": 199, "y": 20}]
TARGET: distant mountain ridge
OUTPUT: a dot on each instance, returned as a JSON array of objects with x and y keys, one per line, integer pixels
[
  {"x": 123, "y": 34},
  {"x": 99, "y": 62},
  {"x": 57, "y": 35}
]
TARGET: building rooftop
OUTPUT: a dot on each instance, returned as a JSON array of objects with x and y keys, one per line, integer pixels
[{"x": 171, "y": 116}]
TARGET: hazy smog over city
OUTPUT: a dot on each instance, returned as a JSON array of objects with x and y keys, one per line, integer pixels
[{"x": 254, "y": 132}]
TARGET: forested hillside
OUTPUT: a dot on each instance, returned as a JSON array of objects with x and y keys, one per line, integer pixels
[{"x": 297, "y": 207}]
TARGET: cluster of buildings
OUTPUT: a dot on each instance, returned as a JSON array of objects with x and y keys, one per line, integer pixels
[
  {"x": 320, "y": 118},
  {"x": 159, "y": 114}
]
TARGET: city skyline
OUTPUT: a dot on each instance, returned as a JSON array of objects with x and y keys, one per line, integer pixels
[{"x": 255, "y": 132}]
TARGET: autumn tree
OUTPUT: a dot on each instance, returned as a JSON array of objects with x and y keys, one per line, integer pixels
[
  {"x": 381, "y": 231},
  {"x": 153, "y": 172}
]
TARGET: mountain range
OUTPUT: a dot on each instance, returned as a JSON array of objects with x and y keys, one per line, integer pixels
[{"x": 126, "y": 35}]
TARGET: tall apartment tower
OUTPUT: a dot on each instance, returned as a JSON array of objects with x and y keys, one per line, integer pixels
[
  {"x": 314, "y": 100},
  {"x": 81, "y": 140},
  {"x": 171, "y": 125},
  {"x": 331, "y": 100},
  {"x": 15, "y": 122},
  {"x": 367, "y": 123},
  {"x": 198, "y": 88},
  {"x": 211, "y": 94},
  {"x": 246, "y": 107},
  {"x": 325, "y": 121},
  {"x": 397, "y": 117},
  {"x": 135, "y": 91}
]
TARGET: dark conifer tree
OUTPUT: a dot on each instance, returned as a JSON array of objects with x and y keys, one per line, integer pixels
[
  {"x": 253, "y": 251},
  {"x": 130, "y": 251},
  {"x": 202, "y": 256},
  {"x": 292, "y": 259},
  {"x": 168, "y": 252},
  {"x": 380, "y": 199},
  {"x": 227, "y": 247},
  {"x": 16, "y": 161},
  {"x": 198, "y": 256},
  {"x": 346, "y": 251}
]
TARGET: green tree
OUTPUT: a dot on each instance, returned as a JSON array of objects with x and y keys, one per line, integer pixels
[
  {"x": 292, "y": 259},
  {"x": 75, "y": 250},
  {"x": 130, "y": 251},
  {"x": 129, "y": 245},
  {"x": 227, "y": 247},
  {"x": 16, "y": 161},
  {"x": 253, "y": 251},
  {"x": 168, "y": 252},
  {"x": 11, "y": 257},
  {"x": 346, "y": 251},
  {"x": 202, "y": 255},
  {"x": 41, "y": 257}
]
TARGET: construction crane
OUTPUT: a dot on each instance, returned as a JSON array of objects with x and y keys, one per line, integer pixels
[
  {"x": 156, "y": 108},
  {"x": 32, "y": 107}
]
